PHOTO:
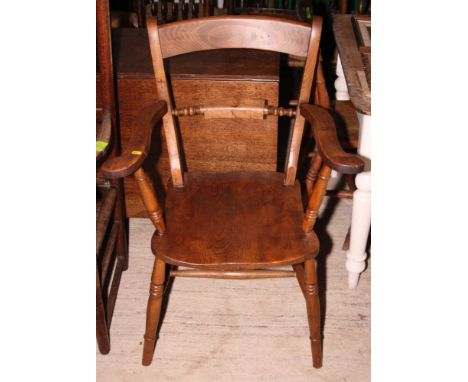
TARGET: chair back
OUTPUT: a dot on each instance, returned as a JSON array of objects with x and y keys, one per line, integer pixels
[{"x": 231, "y": 32}]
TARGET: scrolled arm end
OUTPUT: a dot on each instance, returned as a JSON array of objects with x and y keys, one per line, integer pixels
[
  {"x": 327, "y": 142},
  {"x": 139, "y": 145}
]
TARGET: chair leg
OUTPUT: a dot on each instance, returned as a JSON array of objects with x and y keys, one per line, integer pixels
[
  {"x": 313, "y": 311},
  {"x": 299, "y": 269},
  {"x": 102, "y": 330},
  {"x": 153, "y": 310}
]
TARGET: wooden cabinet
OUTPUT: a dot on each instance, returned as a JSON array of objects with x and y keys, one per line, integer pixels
[{"x": 196, "y": 79}]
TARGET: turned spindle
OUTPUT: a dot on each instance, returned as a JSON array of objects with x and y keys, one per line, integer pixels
[
  {"x": 195, "y": 8},
  {"x": 315, "y": 200},
  {"x": 175, "y": 10},
  {"x": 149, "y": 200},
  {"x": 164, "y": 9},
  {"x": 185, "y": 9},
  {"x": 313, "y": 172}
]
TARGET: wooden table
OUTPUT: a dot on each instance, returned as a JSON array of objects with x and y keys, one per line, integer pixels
[
  {"x": 353, "y": 83},
  {"x": 196, "y": 79}
]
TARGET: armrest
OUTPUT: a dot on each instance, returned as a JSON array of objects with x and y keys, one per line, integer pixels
[
  {"x": 327, "y": 143},
  {"x": 139, "y": 145}
]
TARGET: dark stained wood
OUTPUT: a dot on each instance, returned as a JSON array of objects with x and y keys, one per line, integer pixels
[
  {"x": 313, "y": 311},
  {"x": 352, "y": 62},
  {"x": 347, "y": 124},
  {"x": 327, "y": 143},
  {"x": 139, "y": 143},
  {"x": 109, "y": 250},
  {"x": 226, "y": 65},
  {"x": 102, "y": 330},
  {"x": 111, "y": 212},
  {"x": 234, "y": 220},
  {"x": 228, "y": 32},
  {"x": 153, "y": 310}
]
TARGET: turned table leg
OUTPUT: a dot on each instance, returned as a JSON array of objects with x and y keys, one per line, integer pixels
[
  {"x": 361, "y": 213},
  {"x": 340, "y": 83},
  {"x": 360, "y": 225}
]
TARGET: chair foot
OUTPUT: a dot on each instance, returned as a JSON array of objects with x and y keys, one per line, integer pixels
[
  {"x": 153, "y": 310},
  {"x": 316, "y": 353},
  {"x": 353, "y": 279},
  {"x": 313, "y": 311},
  {"x": 148, "y": 351}
]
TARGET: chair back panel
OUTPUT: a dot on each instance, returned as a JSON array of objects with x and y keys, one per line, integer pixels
[
  {"x": 260, "y": 32},
  {"x": 226, "y": 32}
]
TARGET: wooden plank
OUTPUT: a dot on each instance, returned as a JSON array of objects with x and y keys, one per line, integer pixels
[{"x": 352, "y": 62}]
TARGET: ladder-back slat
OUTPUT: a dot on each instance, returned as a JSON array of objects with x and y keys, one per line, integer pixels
[{"x": 247, "y": 32}]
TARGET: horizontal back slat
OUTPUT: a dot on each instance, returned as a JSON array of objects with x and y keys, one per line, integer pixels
[{"x": 225, "y": 32}]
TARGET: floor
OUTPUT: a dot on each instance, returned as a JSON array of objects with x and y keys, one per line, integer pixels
[{"x": 231, "y": 330}]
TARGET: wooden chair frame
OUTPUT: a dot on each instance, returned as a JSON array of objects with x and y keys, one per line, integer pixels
[
  {"x": 252, "y": 32},
  {"x": 111, "y": 241}
]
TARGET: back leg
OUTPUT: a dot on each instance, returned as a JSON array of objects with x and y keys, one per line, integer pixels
[
  {"x": 153, "y": 310},
  {"x": 313, "y": 311}
]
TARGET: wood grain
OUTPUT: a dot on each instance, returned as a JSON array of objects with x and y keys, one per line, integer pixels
[
  {"x": 352, "y": 62},
  {"x": 228, "y": 32},
  {"x": 234, "y": 221},
  {"x": 327, "y": 143}
]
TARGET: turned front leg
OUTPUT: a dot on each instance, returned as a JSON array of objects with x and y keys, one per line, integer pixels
[
  {"x": 316, "y": 198},
  {"x": 149, "y": 200},
  {"x": 153, "y": 310}
]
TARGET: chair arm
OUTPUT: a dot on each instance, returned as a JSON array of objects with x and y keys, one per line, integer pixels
[
  {"x": 328, "y": 146},
  {"x": 139, "y": 145}
]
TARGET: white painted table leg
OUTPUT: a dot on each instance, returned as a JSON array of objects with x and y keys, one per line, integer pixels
[
  {"x": 360, "y": 225},
  {"x": 361, "y": 213},
  {"x": 340, "y": 83}
]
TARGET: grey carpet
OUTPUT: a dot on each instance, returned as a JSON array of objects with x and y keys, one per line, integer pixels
[{"x": 232, "y": 330}]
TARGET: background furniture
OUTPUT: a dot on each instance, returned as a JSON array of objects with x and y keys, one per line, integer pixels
[
  {"x": 353, "y": 82},
  {"x": 111, "y": 240},
  {"x": 233, "y": 224},
  {"x": 197, "y": 77}
]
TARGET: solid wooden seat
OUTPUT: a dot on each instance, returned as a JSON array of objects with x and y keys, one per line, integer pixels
[{"x": 235, "y": 221}]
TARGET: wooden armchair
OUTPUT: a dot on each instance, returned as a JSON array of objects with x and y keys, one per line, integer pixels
[{"x": 236, "y": 225}]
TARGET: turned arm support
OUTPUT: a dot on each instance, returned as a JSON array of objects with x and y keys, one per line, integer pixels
[
  {"x": 131, "y": 160},
  {"x": 328, "y": 146},
  {"x": 139, "y": 145}
]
